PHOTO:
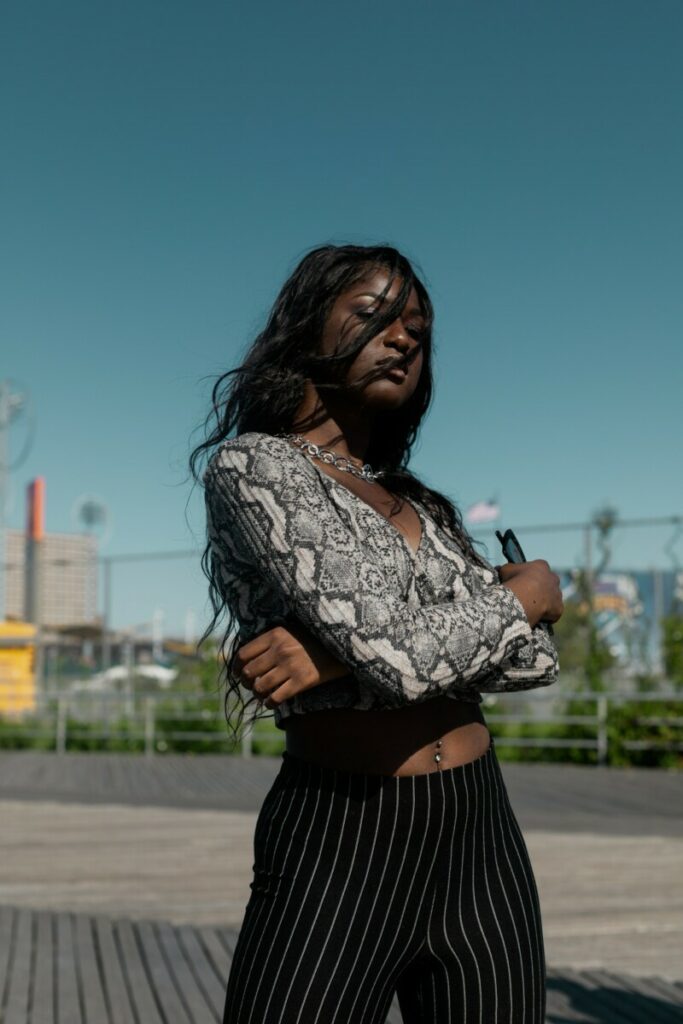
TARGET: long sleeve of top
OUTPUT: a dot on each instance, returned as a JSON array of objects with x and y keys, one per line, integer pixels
[{"x": 270, "y": 513}]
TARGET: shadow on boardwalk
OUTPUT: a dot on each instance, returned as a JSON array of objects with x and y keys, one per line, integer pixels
[
  {"x": 62, "y": 968},
  {"x": 600, "y": 997}
]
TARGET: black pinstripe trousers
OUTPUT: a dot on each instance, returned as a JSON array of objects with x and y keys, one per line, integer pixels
[{"x": 370, "y": 885}]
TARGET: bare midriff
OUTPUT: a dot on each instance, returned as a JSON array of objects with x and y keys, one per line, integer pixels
[{"x": 412, "y": 740}]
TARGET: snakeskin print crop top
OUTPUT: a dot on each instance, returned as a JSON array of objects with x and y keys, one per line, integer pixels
[{"x": 286, "y": 538}]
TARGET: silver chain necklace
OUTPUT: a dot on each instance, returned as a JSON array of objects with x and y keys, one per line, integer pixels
[{"x": 338, "y": 461}]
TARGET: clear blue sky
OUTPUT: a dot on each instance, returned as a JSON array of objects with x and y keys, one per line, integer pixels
[{"x": 165, "y": 165}]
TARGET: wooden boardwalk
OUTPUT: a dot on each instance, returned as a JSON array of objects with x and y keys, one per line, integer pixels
[{"x": 63, "y": 968}]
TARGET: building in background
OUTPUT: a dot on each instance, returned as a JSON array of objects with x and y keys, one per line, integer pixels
[
  {"x": 68, "y": 578},
  {"x": 49, "y": 585}
]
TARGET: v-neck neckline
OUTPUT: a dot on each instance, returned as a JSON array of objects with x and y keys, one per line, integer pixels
[{"x": 413, "y": 552}]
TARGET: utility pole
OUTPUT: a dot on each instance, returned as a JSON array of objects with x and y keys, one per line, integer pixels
[
  {"x": 106, "y": 615},
  {"x": 11, "y": 404}
]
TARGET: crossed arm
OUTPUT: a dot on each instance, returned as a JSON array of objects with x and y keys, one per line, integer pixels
[
  {"x": 289, "y": 659},
  {"x": 274, "y": 508}
]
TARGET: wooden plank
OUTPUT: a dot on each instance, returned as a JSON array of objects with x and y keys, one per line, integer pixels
[
  {"x": 228, "y": 937},
  {"x": 198, "y": 1007},
  {"x": 43, "y": 1011},
  {"x": 217, "y": 954},
  {"x": 594, "y": 994},
  {"x": 566, "y": 1003},
  {"x": 66, "y": 983},
  {"x": 16, "y": 1009},
  {"x": 168, "y": 996},
  {"x": 94, "y": 1003},
  {"x": 655, "y": 988},
  {"x": 139, "y": 982},
  {"x": 120, "y": 1007},
  {"x": 7, "y": 915},
  {"x": 634, "y": 1004},
  {"x": 211, "y": 984},
  {"x": 671, "y": 990}
]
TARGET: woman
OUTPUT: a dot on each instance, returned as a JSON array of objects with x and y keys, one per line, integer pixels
[{"x": 387, "y": 857}]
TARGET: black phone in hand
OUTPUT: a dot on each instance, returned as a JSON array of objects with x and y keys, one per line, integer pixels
[{"x": 512, "y": 550}]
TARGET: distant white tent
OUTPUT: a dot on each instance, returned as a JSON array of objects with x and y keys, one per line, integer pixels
[{"x": 102, "y": 680}]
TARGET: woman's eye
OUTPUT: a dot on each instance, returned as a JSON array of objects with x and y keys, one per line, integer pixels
[{"x": 365, "y": 314}]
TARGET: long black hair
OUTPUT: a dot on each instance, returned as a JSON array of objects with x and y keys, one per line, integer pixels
[{"x": 264, "y": 393}]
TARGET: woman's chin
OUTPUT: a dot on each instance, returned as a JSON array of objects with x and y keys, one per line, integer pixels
[{"x": 387, "y": 394}]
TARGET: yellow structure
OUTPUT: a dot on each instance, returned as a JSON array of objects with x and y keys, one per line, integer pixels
[{"x": 17, "y": 667}]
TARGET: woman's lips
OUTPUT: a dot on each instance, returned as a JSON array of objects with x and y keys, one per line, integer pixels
[{"x": 396, "y": 374}]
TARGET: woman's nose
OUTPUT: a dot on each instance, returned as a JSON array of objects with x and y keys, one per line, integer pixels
[{"x": 397, "y": 335}]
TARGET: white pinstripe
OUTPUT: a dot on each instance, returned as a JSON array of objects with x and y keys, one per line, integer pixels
[
  {"x": 445, "y": 903},
  {"x": 528, "y": 871},
  {"x": 437, "y": 961},
  {"x": 355, "y": 910},
  {"x": 303, "y": 902},
  {"x": 489, "y": 771},
  {"x": 427, "y": 880},
  {"x": 524, "y": 861},
  {"x": 477, "y": 769},
  {"x": 339, "y": 905},
  {"x": 462, "y": 926},
  {"x": 414, "y": 876},
  {"x": 474, "y": 900},
  {"x": 513, "y": 830},
  {"x": 388, "y": 909},
  {"x": 264, "y": 931},
  {"x": 317, "y": 913},
  {"x": 513, "y": 874},
  {"x": 245, "y": 942},
  {"x": 504, "y": 803}
]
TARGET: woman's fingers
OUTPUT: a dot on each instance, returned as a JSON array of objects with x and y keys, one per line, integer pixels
[
  {"x": 277, "y": 656},
  {"x": 253, "y": 648},
  {"x": 283, "y": 692},
  {"x": 265, "y": 684},
  {"x": 276, "y": 646},
  {"x": 256, "y": 667}
]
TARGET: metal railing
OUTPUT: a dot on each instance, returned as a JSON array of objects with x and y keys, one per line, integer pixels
[{"x": 59, "y": 717}]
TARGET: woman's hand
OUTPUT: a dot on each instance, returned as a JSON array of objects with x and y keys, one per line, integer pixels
[
  {"x": 536, "y": 586},
  {"x": 284, "y": 661}
]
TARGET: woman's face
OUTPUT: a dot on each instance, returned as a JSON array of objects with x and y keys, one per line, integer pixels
[{"x": 350, "y": 313}]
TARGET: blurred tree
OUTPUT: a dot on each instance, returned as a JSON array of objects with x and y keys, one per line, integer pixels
[
  {"x": 672, "y": 648},
  {"x": 581, "y": 650}
]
